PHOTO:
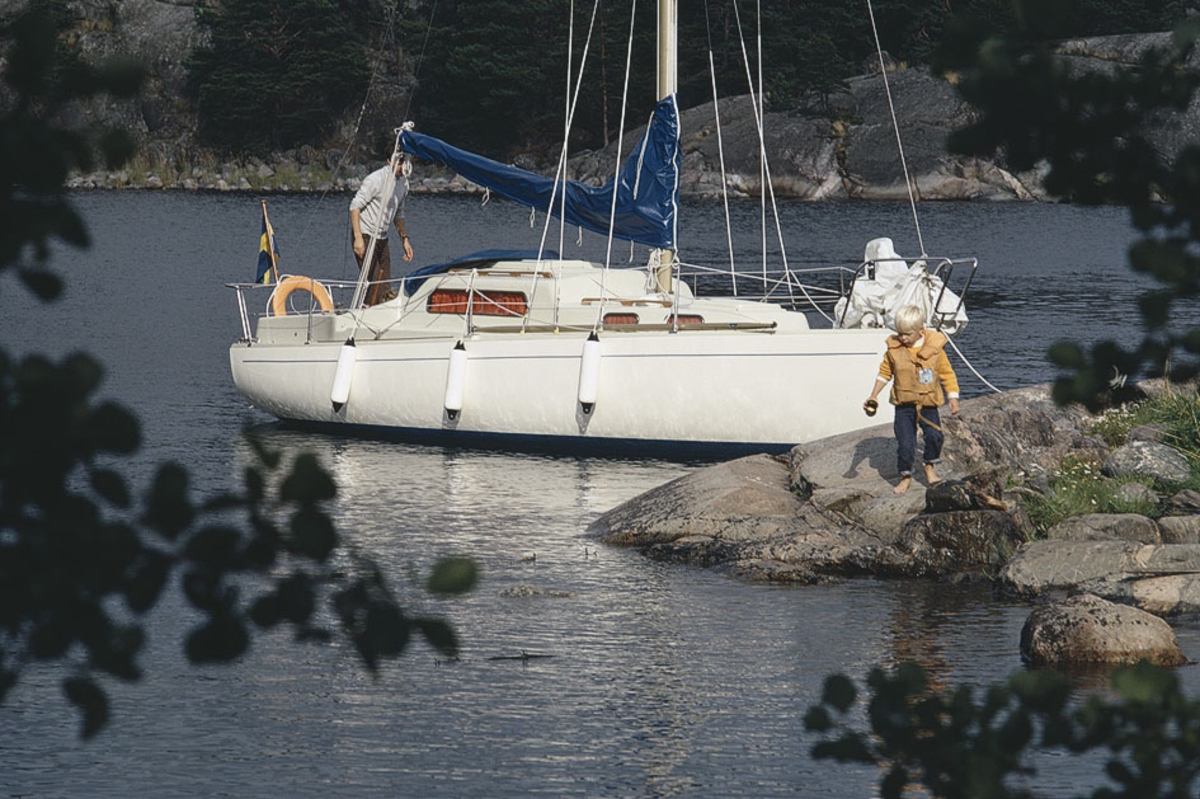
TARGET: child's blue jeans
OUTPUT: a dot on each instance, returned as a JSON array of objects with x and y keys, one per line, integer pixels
[{"x": 905, "y": 428}]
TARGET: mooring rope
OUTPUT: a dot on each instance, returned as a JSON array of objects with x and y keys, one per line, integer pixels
[{"x": 975, "y": 372}]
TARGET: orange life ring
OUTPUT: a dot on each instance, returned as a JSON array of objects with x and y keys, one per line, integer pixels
[{"x": 298, "y": 283}]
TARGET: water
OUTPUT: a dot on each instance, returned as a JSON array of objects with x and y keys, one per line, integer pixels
[{"x": 658, "y": 680}]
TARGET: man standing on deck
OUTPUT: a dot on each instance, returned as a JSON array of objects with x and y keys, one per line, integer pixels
[{"x": 370, "y": 215}]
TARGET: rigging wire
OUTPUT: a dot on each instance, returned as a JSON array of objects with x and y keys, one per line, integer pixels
[
  {"x": 376, "y": 72},
  {"x": 560, "y": 173},
  {"x": 767, "y": 183},
  {"x": 764, "y": 174},
  {"x": 612, "y": 216},
  {"x": 912, "y": 199},
  {"x": 737, "y": 16},
  {"x": 792, "y": 283},
  {"x": 712, "y": 71},
  {"x": 420, "y": 59},
  {"x": 562, "y": 217}
]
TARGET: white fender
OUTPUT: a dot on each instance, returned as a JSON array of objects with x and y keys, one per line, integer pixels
[
  {"x": 456, "y": 377},
  {"x": 343, "y": 376},
  {"x": 589, "y": 373}
]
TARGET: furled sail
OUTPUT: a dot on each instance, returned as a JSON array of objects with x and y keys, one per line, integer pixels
[{"x": 647, "y": 185}]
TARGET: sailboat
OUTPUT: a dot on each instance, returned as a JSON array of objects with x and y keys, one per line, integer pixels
[{"x": 531, "y": 350}]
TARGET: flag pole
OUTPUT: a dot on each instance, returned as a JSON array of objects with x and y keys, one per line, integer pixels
[{"x": 270, "y": 241}]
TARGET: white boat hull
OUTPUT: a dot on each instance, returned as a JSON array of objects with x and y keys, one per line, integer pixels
[{"x": 703, "y": 389}]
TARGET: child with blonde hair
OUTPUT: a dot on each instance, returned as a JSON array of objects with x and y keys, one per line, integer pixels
[{"x": 917, "y": 366}]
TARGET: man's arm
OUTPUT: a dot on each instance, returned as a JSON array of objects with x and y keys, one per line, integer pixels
[
  {"x": 360, "y": 247},
  {"x": 408, "y": 250}
]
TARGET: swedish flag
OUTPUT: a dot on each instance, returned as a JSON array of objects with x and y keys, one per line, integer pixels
[{"x": 268, "y": 252}]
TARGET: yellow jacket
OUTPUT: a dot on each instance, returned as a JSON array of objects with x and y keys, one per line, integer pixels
[{"x": 919, "y": 373}]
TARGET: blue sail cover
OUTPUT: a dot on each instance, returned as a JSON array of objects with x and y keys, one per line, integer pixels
[{"x": 647, "y": 185}]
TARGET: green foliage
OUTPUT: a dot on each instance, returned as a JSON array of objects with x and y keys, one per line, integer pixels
[
  {"x": 453, "y": 576},
  {"x": 1176, "y": 411},
  {"x": 275, "y": 73},
  {"x": 1077, "y": 488},
  {"x": 1179, "y": 413},
  {"x": 1114, "y": 424},
  {"x": 81, "y": 562},
  {"x": 1089, "y": 131},
  {"x": 810, "y": 49},
  {"x": 83, "y": 556},
  {"x": 492, "y": 73},
  {"x": 38, "y": 153},
  {"x": 968, "y": 742}
]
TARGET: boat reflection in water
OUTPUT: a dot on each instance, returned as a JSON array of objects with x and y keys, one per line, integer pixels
[
  {"x": 427, "y": 501},
  {"x": 645, "y": 677}
]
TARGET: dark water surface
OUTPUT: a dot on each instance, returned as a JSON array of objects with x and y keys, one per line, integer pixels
[{"x": 661, "y": 681}]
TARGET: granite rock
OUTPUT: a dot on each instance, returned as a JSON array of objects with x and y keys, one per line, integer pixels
[{"x": 1088, "y": 629}]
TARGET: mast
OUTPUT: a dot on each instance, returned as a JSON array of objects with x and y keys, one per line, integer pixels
[
  {"x": 668, "y": 43},
  {"x": 668, "y": 79}
]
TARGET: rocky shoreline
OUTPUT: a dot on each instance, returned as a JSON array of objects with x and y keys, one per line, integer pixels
[
  {"x": 813, "y": 157},
  {"x": 827, "y": 512},
  {"x": 844, "y": 149},
  {"x": 838, "y": 147}
]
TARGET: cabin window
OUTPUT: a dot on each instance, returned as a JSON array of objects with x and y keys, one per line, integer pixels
[
  {"x": 620, "y": 319},
  {"x": 486, "y": 303},
  {"x": 686, "y": 319}
]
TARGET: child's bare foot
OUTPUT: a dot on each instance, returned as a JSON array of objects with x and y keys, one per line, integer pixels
[
  {"x": 930, "y": 475},
  {"x": 903, "y": 485}
]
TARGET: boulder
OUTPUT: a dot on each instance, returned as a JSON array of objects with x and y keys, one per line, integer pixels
[
  {"x": 1145, "y": 432},
  {"x": 814, "y": 157},
  {"x": 957, "y": 495},
  {"x": 1042, "y": 566},
  {"x": 927, "y": 109},
  {"x": 1136, "y": 494},
  {"x": 886, "y": 514},
  {"x": 941, "y": 544},
  {"x": 1088, "y": 629},
  {"x": 1018, "y": 432},
  {"x": 1180, "y": 529},
  {"x": 830, "y": 510},
  {"x": 744, "y": 499},
  {"x": 1186, "y": 500},
  {"x": 1162, "y": 595},
  {"x": 1148, "y": 459},
  {"x": 1106, "y": 527}
]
